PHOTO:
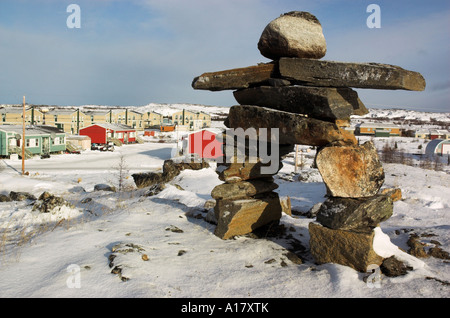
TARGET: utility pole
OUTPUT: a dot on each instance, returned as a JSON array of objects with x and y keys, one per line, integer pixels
[
  {"x": 78, "y": 121},
  {"x": 296, "y": 156},
  {"x": 23, "y": 138}
]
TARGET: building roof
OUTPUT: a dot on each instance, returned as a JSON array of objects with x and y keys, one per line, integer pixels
[
  {"x": 433, "y": 144},
  {"x": 378, "y": 125},
  {"x": 49, "y": 129},
  {"x": 14, "y": 110},
  {"x": 111, "y": 126},
  {"x": 78, "y": 137},
  {"x": 96, "y": 112},
  {"x": 60, "y": 111},
  {"x": 439, "y": 132},
  {"x": 29, "y": 130}
]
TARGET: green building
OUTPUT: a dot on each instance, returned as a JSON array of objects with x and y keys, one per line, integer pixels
[{"x": 39, "y": 140}]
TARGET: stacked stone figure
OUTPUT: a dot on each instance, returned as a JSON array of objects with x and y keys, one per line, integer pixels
[{"x": 310, "y": 102}]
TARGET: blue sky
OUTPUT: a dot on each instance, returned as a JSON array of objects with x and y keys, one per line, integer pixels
[{"x": 137, "y": 52}]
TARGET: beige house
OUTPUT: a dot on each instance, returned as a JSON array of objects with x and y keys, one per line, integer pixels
[
  {"x": 152, "y": 119},
  {"x": 192, "y": 119},
  {"x": 117, "y": 116},
  {"x": 422, "y": 134},
  {"x": 13, "y": 116},
  {"x": 98, "y": 116},
  {"x": 205, "y": 118},
  {"x": 134, "y": 119},
  {"x": 68, "y": 120},
  {"x": 127, "y": 117}
]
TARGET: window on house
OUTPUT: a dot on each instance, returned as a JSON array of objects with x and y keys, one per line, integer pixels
[{"x": 32, "y": 142}]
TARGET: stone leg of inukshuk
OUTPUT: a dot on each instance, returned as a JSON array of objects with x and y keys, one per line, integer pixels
[
  {"x": 309, "y": 102},
  {"x": 246, "y": 200}
]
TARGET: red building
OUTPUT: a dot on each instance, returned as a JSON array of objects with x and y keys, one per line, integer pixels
[
  {"x": 205, "y": 144},
  {"x": 100, "y": 133}
]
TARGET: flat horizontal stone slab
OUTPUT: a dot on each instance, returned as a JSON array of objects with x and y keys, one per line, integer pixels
[
  {"x": 357, "y": 75},
  {"x": 243, "y": 189},
  {"x": 235, "y": 78},
  {"x": 247, "y": 170},
  {"x": 343, "y": 247},
  {"x": 311, "y": 72},
  {"x": 292, "y": 128},
  {"x": 357, "y": 215},
  {"x": 318, "y": 102},
  {"x": 239, "y": 217}
]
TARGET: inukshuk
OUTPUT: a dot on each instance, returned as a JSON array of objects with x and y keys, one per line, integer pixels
[{"x": 310, "y": 101}]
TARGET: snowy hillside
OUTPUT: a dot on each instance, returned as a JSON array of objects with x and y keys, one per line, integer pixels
[
  {"x": 396, "y": 114},
  {"x": 169, "y": 109},
  {"x": 129, "y": 244}
]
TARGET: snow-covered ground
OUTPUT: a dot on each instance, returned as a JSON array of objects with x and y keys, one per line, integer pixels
[{"x": 67, "y": 253}]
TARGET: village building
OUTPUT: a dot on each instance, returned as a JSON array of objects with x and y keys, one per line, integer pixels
[
  {"x": 118, "y": 116},
  {"x": 78, "y": 142},
  {"x": 432, "y": 134},
  {"x": 438, "y": 147},
  {"x": 422, "y": 134},
  {"x": 378, "y": 129},
  {"x": 127, "y": 117},
  {"x": 39, "y": 140},
  {"x": 439, "y": 134},
  {"x": 97, "y": 116},
  {"x": 71, "y": 119},
  {"x": 205, "y": 118},
  {"x": 109, "y": 132},
  {"x": 134, "y": 119},
  {"x": 152, "y": 119},
  {"x": 68, "y": 120},
  {"x": 191, "y": 119},
  {"x": 202, "y": 144},
  {"x": 13, "y": 116}
]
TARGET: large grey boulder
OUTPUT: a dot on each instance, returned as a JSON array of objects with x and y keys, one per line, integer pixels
[
  {"x": 4, "y": 198},
  {"x": 21, "y": 196},
  {"x": 48, "y": 202},
  {"x": 358, "y": 215},
  {"x": 293, "y": 34}
]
